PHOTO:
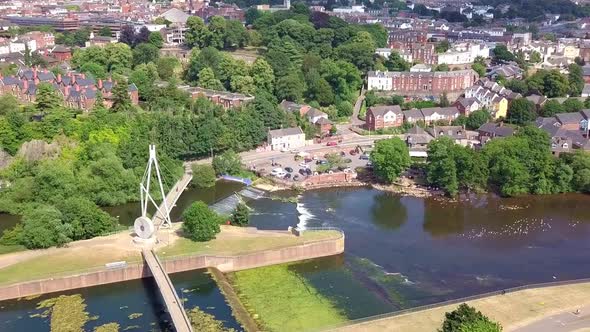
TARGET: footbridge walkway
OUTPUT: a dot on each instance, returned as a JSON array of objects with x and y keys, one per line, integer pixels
[
  {"x": 171, "y": 300},
  {"x": 173, "y": 196}
]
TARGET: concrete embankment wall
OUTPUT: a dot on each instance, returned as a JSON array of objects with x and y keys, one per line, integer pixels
[{"x": 179, "y": 264}]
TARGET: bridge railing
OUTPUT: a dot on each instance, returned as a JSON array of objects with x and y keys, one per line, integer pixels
[{"x": 457, "y": 301}]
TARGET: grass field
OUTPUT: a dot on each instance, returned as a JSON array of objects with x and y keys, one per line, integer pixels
[
  {"x": 281, "y": 300},
  {"x": 236, "y": 244},
  {"x": 62, "y": 263}
]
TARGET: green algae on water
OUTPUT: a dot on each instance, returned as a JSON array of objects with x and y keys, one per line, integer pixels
[
  {"x": 282, "y": 300},
  {"x": 135, "y": 315},
  {"x": 109, "y": 327},
  {"x": 67, "y": 313},
  {"x": 204, "y": 322}
]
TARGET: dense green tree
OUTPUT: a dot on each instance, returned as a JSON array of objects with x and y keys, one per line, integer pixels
[
  {"x": 443, "y": 46},
  {"x": 228, "y": 163},
  {"x": 43, "y": 228},
  {"x": 573, "y": 105},
  {"x": 263, "y": 75},
  {"x": 521, "y": 111},
  {"x": 167, "y": 67},
  {"x": 85, "y": 219},
  {"x": 466, "y": 318},
  {"x": 47, "y": 99},
  {"x": 156, "y": 39},
  {"x": 121, "y": 99},
  {"x": 199, "y": 222},
  {"x": 442, "y": 170},
  {"x": 118, "y": 56},
  {"x": 536, "y": 57},
  {"x": 8, "y": 103},
  {"x": 197, "y": 33},
  {"x": 240, "y": 215},
  {"x": 145, "y": 53},
  {"x": 477, "y": 119},
  {"x": 551, "y": 107},
  {"x": 290, "y": 87},
  {"x": 479, "y": 69},
  {"x": 344, "y": 109},
  {"x": 217, "y": 30},
  {"x": 235, "y": 34},
  {"x": 501, "y": 53},
  {"x": 390, "y": 159},
  {"x": 142, "y": 36},
  {"x": 127, "y": 35},
  {"x": 576, "y": 80},
  {"x": 94, "y": 69},
  {"x": 207, "y": 80},
  {"x": 358, "y": 51},
  {"x": 200, "y": 59},
  {"x": 105, "y": 32},
  {"x": 203, "y": 176},
  {"x": 144, "y": 77},
  {"x": 518, "y": 86}
]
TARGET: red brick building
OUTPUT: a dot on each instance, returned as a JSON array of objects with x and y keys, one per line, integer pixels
[
  {"x": 421, "y": 52},
  {"x": 61, "y": 53},
  {"x": 380, "y": 117},
  {"x": 422, "y": 83},
  {"x": 223, "y": 98}
]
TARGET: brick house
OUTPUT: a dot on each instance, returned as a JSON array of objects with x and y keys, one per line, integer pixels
[
  {"x": 422, "y": 83},
  {"x": 467, "y": 106},
  {"x": 223, "y": 98},
  {"x": 491, "y": 130},
  {"x": 380, "y": 117},
  {"x": 61, "y": 53}
]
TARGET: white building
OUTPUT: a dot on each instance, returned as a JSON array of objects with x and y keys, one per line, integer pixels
[
  {"x": 380, "y": 80},
  {"x": 288, "y": 138},
  {"x": 18, "y": 45}
]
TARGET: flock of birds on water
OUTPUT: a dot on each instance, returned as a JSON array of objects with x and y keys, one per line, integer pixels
[{"x": 520, "y": 227}]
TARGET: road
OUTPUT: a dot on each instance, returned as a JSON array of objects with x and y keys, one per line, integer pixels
[
  {"x": 357, "y": 108},
  {"x": 567, "y": 321}
]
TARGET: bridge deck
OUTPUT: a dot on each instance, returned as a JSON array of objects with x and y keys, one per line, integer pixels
[
  {"x": 173, "y": 197},
  {"x": 171, "y": 300}
]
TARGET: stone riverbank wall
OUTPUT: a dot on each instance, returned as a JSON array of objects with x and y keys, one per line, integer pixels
[{"x": 310, "y": 250}]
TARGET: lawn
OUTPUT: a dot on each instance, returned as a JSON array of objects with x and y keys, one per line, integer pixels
[
  {"x": 279, "y": 299},
  {"x": 61, "y": 263},
  {"x": 236, "y": 244}
]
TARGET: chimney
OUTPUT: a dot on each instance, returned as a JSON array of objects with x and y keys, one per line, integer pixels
[
  {"x": 58, "y": 79},
  {"x": 99, "y": 84}
]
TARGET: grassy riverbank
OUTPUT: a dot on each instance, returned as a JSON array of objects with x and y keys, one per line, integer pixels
[{"x": 281, "y": 300}]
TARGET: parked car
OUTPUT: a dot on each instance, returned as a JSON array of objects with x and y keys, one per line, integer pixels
[
  {"x": 342, "y": 153},
  {"x": 364, "y": 157},
  {"x": 276, "y": 171},
  {"x": 308, "y": 160},
  {"x": 287, "y": 176},
  {"x": 296, "y": 177},
  {"x": 308, "y": 171},
  {"x": 289, "y": 169},
  {"x": 304, "y": 165},
  {"x": 302, "y": 171},
  {"x": 369, "y": 164},
  {"x": 352, "y": 152},
  {"x": 321, "y": 162},
  {"x": 348, "y": 160},
  {"x": 331, "y": 143}
]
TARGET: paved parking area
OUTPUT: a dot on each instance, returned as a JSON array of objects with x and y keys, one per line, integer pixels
[{"x": 287, "y": 159}]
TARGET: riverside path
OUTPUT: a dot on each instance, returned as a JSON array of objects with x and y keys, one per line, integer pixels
[{"x": 171, "y": 300}]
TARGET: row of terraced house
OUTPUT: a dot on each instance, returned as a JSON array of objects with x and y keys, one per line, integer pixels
[{"x": 77, "y": 90}]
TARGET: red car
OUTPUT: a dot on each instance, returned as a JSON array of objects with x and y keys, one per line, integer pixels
[{"x": 331, "y": 144}]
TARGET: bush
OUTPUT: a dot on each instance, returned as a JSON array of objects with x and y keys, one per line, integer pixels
[
  {"x": 200, "y": 223},
  {"x": 203, "y": 176},
  {"x": 467, "y": 319},
  {"x": 85, "y": 219},
  {"x": 241, "y": 215}
]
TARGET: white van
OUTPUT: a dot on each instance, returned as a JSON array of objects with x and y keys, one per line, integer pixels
[{"x": 278, "y": 172}]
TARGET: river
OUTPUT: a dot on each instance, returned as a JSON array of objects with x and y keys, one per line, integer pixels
[{"x": 400, "y": 251}]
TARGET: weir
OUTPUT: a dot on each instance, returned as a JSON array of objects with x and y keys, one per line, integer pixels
[
  {"x": 173, "y": 303},
  {"x": 228, "y": 204}
]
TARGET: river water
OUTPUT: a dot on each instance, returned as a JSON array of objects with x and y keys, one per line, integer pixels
[{"x": 400, "y": 252}]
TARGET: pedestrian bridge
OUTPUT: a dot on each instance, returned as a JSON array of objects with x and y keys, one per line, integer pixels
[{"x": 173, "y": 303}]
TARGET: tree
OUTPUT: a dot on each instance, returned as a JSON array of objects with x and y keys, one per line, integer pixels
[
  {"x": 242, "y": 84},
  {"x": 358, "y": 51},
  {"x": 235, "y": 34},
  {"x": 47, "y": 99},
  {"x": 344, "y": 109},
  {"x": 144, "y": 77},
  {"x": 443, "y": 46},
  {"x": 228, "y": 163},
  {"x": 156, "y": 39},
  {"x": 105, "y": 32},
  {"x": 43, "y": 228},
  {"x": 143, "y": 36},
  {"x": 521, "y": 111},
  {"x": 217, "y": 29},
  {"x": 144, "y": 53},
  {"x": 441, "y": 169},
  {"x": 8, "y": 103},
  {"x": 465, "y": 316},
  {"x": 576, "y": 79},
  {"x": 442, "y": 67},
  {"x": 479, "y": 69},
  {"x": 536, "y": 57},
  {"x": 85, "y": 219},
  {"x": 118, "y": 57},
  {"x": 97, "y": 71},
  {"x": 396, "y": 63},
  {"x": 390, "y": 158},
  {"x": 290, "y": 87},
  {"x": 477, "y": 119},
  {"x": 501, "y": 53},
  {"x": 203, "y": 176},
  {"x": 207, "y": 80},
  {"x": 555, "y": 84},
  {"x": 552, "y": 107},
  {"x": 444, "y": 100},
  {"x": 241, "y": 215},
  {"x": 197, "y": 34},
  {"x": 121, "y": 99},
  {"x": 167, "y": 67},
  {"x": 263, "y": 76},
  {"x": 573, "y": 105},
  {"x": 127, "y": 35},
  {"x": 199, "y": 223}
]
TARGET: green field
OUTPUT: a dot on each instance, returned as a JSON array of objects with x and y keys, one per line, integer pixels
[{"x": 279, "y": 299}]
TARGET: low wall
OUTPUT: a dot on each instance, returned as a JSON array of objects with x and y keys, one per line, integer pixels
[
  {"x": 321, "y": 179},
  {"x": 176, "y": 264}
]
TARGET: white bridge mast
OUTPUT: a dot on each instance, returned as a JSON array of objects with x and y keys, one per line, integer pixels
[{"x": 144, "y": 226}]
